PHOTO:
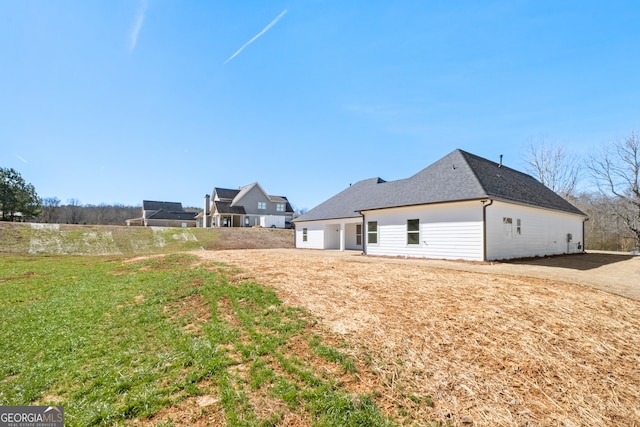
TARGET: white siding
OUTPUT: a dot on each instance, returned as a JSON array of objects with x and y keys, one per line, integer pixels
[
  {"x": 326, "y": 234},
  {"x": 351, "y": 242},
  {"x": 332, "y": 236},
  {"x": 543, "y": 232},
  {"x": 315, "y": 235},
  {"x": 447, "y": 231}
]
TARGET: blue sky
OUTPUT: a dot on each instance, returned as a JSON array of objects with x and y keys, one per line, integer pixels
[{"x": 123, "y": 100}]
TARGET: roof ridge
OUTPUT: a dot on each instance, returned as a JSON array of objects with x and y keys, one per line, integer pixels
[{"x": 464, "y": 155}]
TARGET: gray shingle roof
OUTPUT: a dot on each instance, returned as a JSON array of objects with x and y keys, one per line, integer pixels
[
  {"x": 152, "y": 205},
  {"x": 225, "y": 193},
  {"x": 173, "y": 215},
  {"x": 456, "y": 177},
  {"x": 225, "y": 207}
]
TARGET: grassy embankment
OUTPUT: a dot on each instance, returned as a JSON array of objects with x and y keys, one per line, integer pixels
[{"x": 61, "y": 239}]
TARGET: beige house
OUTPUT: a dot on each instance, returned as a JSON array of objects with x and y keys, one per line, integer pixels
[{"x": 248, "y": 206}]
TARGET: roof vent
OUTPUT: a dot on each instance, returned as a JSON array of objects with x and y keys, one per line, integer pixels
[{"x": 500, "y": 165}]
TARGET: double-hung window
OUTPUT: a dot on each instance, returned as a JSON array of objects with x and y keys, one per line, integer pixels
[
  {"x": 413, "y": 232},
  {"x": 262, "y": 205},
  {"x": 372, "y": 232}
]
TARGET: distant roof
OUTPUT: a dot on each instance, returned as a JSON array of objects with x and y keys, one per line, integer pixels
[
  {"x": 225, "y": 193},
  {"x": 456, "y": 177},
  {"x": 151, "y": 205},
  {"x": 224, "y": 207},
  {"x": 174, "y": 215}
]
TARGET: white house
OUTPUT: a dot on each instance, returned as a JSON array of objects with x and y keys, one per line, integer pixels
[{"x": 461, "y": 207}]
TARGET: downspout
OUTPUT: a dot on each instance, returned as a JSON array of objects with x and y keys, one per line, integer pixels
[
  {"x": 364, "y": 236},
  {"x": 584, "y": 236},
  {"x": 485, "y": 205}
]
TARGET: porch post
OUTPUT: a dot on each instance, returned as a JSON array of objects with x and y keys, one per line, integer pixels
[{"x": 342, "y": 236}]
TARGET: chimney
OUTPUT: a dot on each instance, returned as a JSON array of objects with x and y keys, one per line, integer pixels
[{"x": 207, "y": 211}]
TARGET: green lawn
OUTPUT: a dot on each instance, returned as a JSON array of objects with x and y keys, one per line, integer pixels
[{"x": 113, "y": 342}]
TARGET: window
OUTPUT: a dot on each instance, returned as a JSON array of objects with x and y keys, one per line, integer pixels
[
  {"x": 507, "y": 224},
  {"x": 358, "y": 234},
  {"x": 518, "y": 227},
  {"x": 413, "y": 232},
  {"x": 304, "y": 234},
  {"x": 262, "y": 205},
  {"x": 372, "y": 232},
  {"x": 280, "y": 207}
]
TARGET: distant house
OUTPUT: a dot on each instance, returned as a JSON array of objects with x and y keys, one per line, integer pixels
[
  {"x": 164, "y": 214},
  {"x": 248, "y": 206},
  {"x": 461, "y": 207}
]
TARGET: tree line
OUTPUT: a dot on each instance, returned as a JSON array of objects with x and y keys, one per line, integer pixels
[
  {"x": 55, "y": 212},
  {"x": 611, "y": 198},
  {"x": 605, "y": 186}
]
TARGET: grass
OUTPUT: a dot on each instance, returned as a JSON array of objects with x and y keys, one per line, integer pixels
[{"x": 114, "y": 341}]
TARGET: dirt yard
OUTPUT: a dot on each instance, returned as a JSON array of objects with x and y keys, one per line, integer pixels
[{"x": 526, "y": 343}]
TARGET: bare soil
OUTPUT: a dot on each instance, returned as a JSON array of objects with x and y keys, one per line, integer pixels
[{"x": 525, "y": 343}]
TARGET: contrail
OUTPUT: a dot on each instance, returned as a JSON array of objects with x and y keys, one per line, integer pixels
[
  {"x": 20, "y": 158},
  {"x": 271, "y": 24},
  {"x": 137, "y": 26}
]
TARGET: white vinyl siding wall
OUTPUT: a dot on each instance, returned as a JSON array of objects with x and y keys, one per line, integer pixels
[
  {"x": 448, "y": 231},
  {"x": 543, "y": 232},
  {"x": 326, "y": 234},
  {"x": 315, "y": 235}
]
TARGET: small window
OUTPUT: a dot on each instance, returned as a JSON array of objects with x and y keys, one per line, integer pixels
[
  {"x": 358, "y": 234},
  {"x": 518, "y": 227},
  {"x": 304, "y": 234},
  {"x": 262, "y": 205},
  {"x": 413, "y": 232},
  {"x": 507, "y": 224},
  {"x": 280, "y": 207},
  {"x": 372, "y": 232}
]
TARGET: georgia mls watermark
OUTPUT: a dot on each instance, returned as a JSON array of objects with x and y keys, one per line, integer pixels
[{"x": 31, "y": 416}]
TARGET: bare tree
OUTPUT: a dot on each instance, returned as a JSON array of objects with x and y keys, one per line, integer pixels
[
  {"x": 616, "y": 171},
  {"x": 604, "y": 230},
  {"x": 50, "y": 210},
  {"x": 556, "y": 168},
  {"x": 74, "y": 211}
]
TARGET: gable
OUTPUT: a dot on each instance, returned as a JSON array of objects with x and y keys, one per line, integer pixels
[{"x": 250, "y": 195}]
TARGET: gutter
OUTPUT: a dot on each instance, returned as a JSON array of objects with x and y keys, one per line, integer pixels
[{"x": 485, "y": 205}]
